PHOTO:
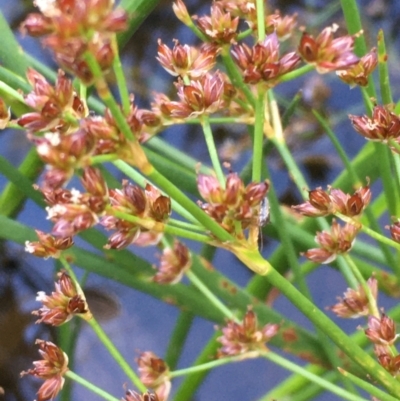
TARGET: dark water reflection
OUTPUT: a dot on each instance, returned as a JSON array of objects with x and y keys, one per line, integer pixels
[{"x": 137, "y": 321}]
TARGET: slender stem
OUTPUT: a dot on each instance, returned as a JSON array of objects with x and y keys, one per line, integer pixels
[
  {"x": 258, "y": 136},
  {"x": 368, "y": 387},
  {"x": 183, "y": 224},
  {"x": 11, "y": 92},
  {"x": 235, "y": 75},
  {"x": 116, "y": 354},
  {"x": 260, "y": 20},
  {"x": 150, "y": 224},
  {"x": 119, "y": 74},
  {"x": 296, "y": 73},
  {"x": 105, "y": 94},
  {"x": 94, "y": 389},
  {"x": 212, "y": 150},
  {"x": 373, "y": 308},
  {"x": 210, "y": 296},
  {"x": 208, "y": 365},
  {"x": 99, "y": 159},
  {"x": 244, "y": 34},
  {"x": 106, "y": 340},
  {"x": 384, "y": 82},
  {"x": 357, "y": 354},
  {"x": 285, "y": 363}
]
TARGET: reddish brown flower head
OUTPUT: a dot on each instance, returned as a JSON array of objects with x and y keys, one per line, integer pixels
[
  {"x": 234, "y": 203},
  {"x": 187, "y": 61},
  {"x": 355, "y": 303},
  {"x": 340, "y": 240},
  {"x": 72, "y": 27},
  {"x": 174, "y": 263},
  {"x": 358, "y": 73},
  {"x": 55, "y": 107},
  {"x": 48, "y": 246},
  {"x": 322, "y": 203},
  {"x": 134, "y": 396},
  {"x": 382, "y": 126},
  {"x": 381, "y": 331},
  {"x": 148, "y": 204},
  {"x": 220, "y": 26},
  {"x": 283, "y": 26},
  {"x": 66, "y": 301},
  {"x": 51, "y": 369},
  {"x": 154, "y": 373},
  {"x": 395, "y": 231},
  {"x": 238, "y": 338},
  {"x": 326, "y": 53},
  {"x": 262, "y": 62},
  {"x": 386, "y": 358},
  {"x": 202, "y": 96}
]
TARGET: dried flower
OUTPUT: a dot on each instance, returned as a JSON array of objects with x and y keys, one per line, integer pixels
[
  {"x": 383, "y": 126},
  {"x": 48, "y": 246},
  {"x": 324, "y": 203},
  {"x": 134, "y": 396},
  {"x": 238, "y": 338},
  {"x": 66, "y": 301},
  {"x": 381, "y": 331},
  {"x": 328, "y": 54},
  {"x": 340, "y": 240},
  {"x": 355, "y": 302},
  {"x": 187, "y": 61},
  {"x": 51, "y": 369},
  {"x": 154, "y": 374},
  {"x": 262, "y": 62},
  {"x": 358, "y": 73},
  {"x": 174, "y": 263},
  {"x": 220, "y": 27}
]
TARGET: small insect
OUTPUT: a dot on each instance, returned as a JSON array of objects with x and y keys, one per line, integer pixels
[{"x": 263, "y": 214}]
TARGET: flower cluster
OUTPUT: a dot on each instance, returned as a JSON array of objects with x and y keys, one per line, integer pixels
[
  {"x": 238, "y": 338},
  {"x": 262, "y": 61},
  {"x": 154, "y": 374},
  {"x": 358, "y": 73},
  {"x": 383, "y": 126},
  {"x": 72, "y": 28},
  {"x": 47, "y": 245},
  {"x": 51, "y": 369},
  {"x": 340, "y": 240},
  {"x": 148, "y": 205},
  {"x": 234, "y": 205},
  {"x": 174, "y": 262},
  {"x": 66, "y": 301},
  {"x": 326, "y": 52},
  {"x": 355, "y": 302},
  {"x": 324, "y": 203}
]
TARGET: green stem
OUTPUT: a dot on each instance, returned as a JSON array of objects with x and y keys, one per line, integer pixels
[
  {"x": 258, "y": 136},
  {"x": 296, "y": 73},
  {"x": 207, "y": 366},
  {"x": 235, "y": 75},
  {"x": 116, "y": 354},
  {"x": 373, "y": 308},
  {"x": 106, "y": 340},
  {"x": 369, "y": 388},
  {"x": 357, "y": 354},
  {"x": 244, "y": 34},
  {"x": 150, "y": 225},
  {"x": 260, "y": 20},
  {"x": 272, "y": 356},
  {"x": 94, "y": 389},
  {"x": 386, "y": 92},
  {"x": 107, "y": 97},
  {"x": 120, "y": 76},
  {"x": 210, "y": 296},
  {"x": 212, "y": 150}
]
